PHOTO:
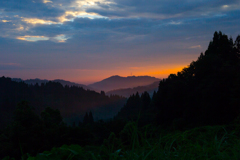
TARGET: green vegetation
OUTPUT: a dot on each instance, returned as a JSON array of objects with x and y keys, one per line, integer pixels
[{"x": 149, "y": 143}]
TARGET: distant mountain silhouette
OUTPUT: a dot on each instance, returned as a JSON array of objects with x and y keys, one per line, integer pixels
[
  {"x": 130, "y": 91},
  {"x": 117, "y": 82},
  {"x": 63, "y": 82}
]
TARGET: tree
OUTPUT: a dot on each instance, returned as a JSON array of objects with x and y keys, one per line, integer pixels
[
  {"x": 90, "y": 117},
  {"x": 102, "y": 93},
  {"x": 207, "y": 91},
  {"x": 25, "y": 130},
  {"x": 237, "y": 46},
  {"x": 145, "y": 99},
  {"x": 85, "y": 118},
  {"x": 24, "y": 115},
  {"x": 51, "y": 117}
]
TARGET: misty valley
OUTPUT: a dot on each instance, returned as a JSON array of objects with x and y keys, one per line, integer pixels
[{"x": 193, "y": 114}]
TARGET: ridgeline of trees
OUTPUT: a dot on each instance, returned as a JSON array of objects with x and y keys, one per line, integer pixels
[
  {"x": 207, "y": 92},
  {"x": 137, "y": 107}
]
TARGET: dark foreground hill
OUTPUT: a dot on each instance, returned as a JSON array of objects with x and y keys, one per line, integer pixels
[
  {"x": 117, "y": 82},
  {"x": 207, "y": 92}
]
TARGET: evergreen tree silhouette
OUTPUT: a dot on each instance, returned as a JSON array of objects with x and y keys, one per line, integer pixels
[
  {"x": 90, "y": 118},
  {"x": 145, "y": 99},
  {"x": 51, "y": 117},
  {"x": 85, "y": 118},
  {"x": 205, "y": 92},
  {"x": 103, "y": 93}
]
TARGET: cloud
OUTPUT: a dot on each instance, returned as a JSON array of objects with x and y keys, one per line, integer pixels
[
  {"x": 47, "y": 1},
  {"x": 4, "y": 21},
  {"x": 72, "y": 15},
  {"x": 35, "y": 21},
  {"x": 175, "y": 23},
  {"x": 27, "y": 8},
  {"x": 111, "y": 33},
  {"x": 195, "y": 47},
  {"x": 10, "y": 64},
  {"x": 61, "y": 38},
  {"x": 32, "y": 38},
  {"x": 162, "y": 9}
]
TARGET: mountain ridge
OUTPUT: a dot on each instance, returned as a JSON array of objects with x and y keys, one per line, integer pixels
[
  {"x": 117, "y": 82},
  {"x": 63, "y": 82},
  {"x": 127, "y": 92}
]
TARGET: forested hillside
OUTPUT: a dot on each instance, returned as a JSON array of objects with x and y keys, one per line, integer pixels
[
  {"x": 207, "y": 92},
  {"x": 71, "y": 101},
  {"x": 127, "y": 92}
]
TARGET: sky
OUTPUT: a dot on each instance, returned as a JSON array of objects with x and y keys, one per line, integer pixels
[{"x": 86, "y": 41}]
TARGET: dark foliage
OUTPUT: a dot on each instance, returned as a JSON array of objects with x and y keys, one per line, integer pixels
[
  {"x": 207, "y": 92},
  {"x": 138, "y": 108},
  {"x": 88, "y": 118},
  {"x": 29, "y": 133}
]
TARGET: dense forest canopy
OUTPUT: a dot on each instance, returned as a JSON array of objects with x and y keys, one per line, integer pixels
[{"x": 207, "y": 91}]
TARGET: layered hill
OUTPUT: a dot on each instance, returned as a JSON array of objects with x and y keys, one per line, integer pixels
[
  {"x": 40, "y": 81},
  {"x": 73, "y": 102},
  {"x": 140, "y": 89},
  {"x": 118, "y": 82}
]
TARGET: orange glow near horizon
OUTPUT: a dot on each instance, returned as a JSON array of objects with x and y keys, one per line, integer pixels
[
  {"x": 88, "y": 76},
  {"x": 161, "y": 72}
]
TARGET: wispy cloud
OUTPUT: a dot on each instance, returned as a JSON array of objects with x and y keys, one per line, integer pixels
[
  {"x": 4, "y": 21},
  {"x": 195, "y": 47},
  {"x": 10, "y": 64},
  {"x": 61, "y": 38},
  {"x": 175, "y": 23},
  {"x": 32, "y": 38},
  {"x": 35, "y": 21},
  {"x": 47, "y": 1}
]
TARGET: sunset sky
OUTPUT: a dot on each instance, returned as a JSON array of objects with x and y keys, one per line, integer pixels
[{"x": 88, "y": 40}]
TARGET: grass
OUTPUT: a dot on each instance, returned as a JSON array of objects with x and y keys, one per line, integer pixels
[{"x": 148, "y": 143}]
